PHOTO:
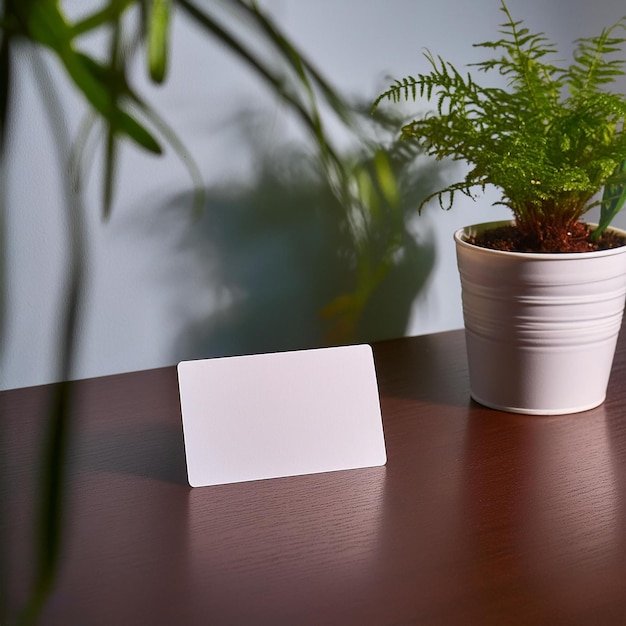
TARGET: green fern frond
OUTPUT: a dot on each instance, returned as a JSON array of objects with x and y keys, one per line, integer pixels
[
  {"x": 522, "y": 63},
  {"x": 591, "y": 68},
  {"x": 400, "y": 90},
  {"x": 547, "y": 151}
]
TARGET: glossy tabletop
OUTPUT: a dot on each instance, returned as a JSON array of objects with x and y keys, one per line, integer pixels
[{"x": 479, "y": 517}]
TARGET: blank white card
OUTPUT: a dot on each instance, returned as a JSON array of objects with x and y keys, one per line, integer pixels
[{"x": 280, "y": 414}]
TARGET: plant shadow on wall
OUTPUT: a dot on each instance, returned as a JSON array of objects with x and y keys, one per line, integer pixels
[{"x": 285, "y": 269}]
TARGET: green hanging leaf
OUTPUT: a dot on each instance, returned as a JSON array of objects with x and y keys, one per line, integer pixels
[
  {"x": 108, "y": 14},
  {"x": 92, "y": 79},
  {"x": 5, "y": 77},
  {"x": 158, "y": 38},
  {"x": 45, "y": 23}
]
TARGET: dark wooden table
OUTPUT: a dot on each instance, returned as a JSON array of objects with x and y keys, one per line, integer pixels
[{"x": 479, "y": 517}]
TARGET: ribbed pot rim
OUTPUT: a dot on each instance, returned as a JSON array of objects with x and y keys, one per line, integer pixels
[{"x": 461, "y": 233}]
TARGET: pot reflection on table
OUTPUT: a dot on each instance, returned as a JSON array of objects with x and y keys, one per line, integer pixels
[{"x": 544, "y": 509}]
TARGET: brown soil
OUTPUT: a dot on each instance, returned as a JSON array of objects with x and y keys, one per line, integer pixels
[{"x": 510, "y": 239}]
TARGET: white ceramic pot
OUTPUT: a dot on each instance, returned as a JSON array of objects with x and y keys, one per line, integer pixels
[{"x": 541, "y": 329}]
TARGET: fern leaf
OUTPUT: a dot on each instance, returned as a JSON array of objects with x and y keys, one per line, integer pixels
[
  {"x": 591, "y": 68},
  {"x": 401, "y": 89},
  {"x": 613, "y": 199}
]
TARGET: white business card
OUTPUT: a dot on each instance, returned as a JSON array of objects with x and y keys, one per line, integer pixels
[{"x": 280, "y": 414}]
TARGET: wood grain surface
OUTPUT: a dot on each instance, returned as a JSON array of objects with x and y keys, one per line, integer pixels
[{"x": 479, "y": 517}]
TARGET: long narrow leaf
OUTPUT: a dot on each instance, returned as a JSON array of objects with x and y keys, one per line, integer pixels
[
  {"x": 52, "y": 481},
  {"x": 51, "y": 503},
  {"x": 5, "y": 88},
  {"x": 110, "y": 12},
  {"x": 236, "y": 46},
  {"x": 288, "y": 53},
  {"x": 613, "y": 199},
  {"x": 84, "y": 72},
  {"x": 46, "y": 24},
  {"x": 158, "y": 39},
  {"x": 179, "y": 147},
  {"x": 298, "y": 60},
  {"x": 114, "y": 85}
]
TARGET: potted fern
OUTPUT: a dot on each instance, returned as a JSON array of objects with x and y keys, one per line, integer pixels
[{"x": 543, "y": 294}]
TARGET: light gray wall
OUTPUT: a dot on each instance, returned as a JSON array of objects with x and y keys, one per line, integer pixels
[{"x": 143, "y": 289}]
